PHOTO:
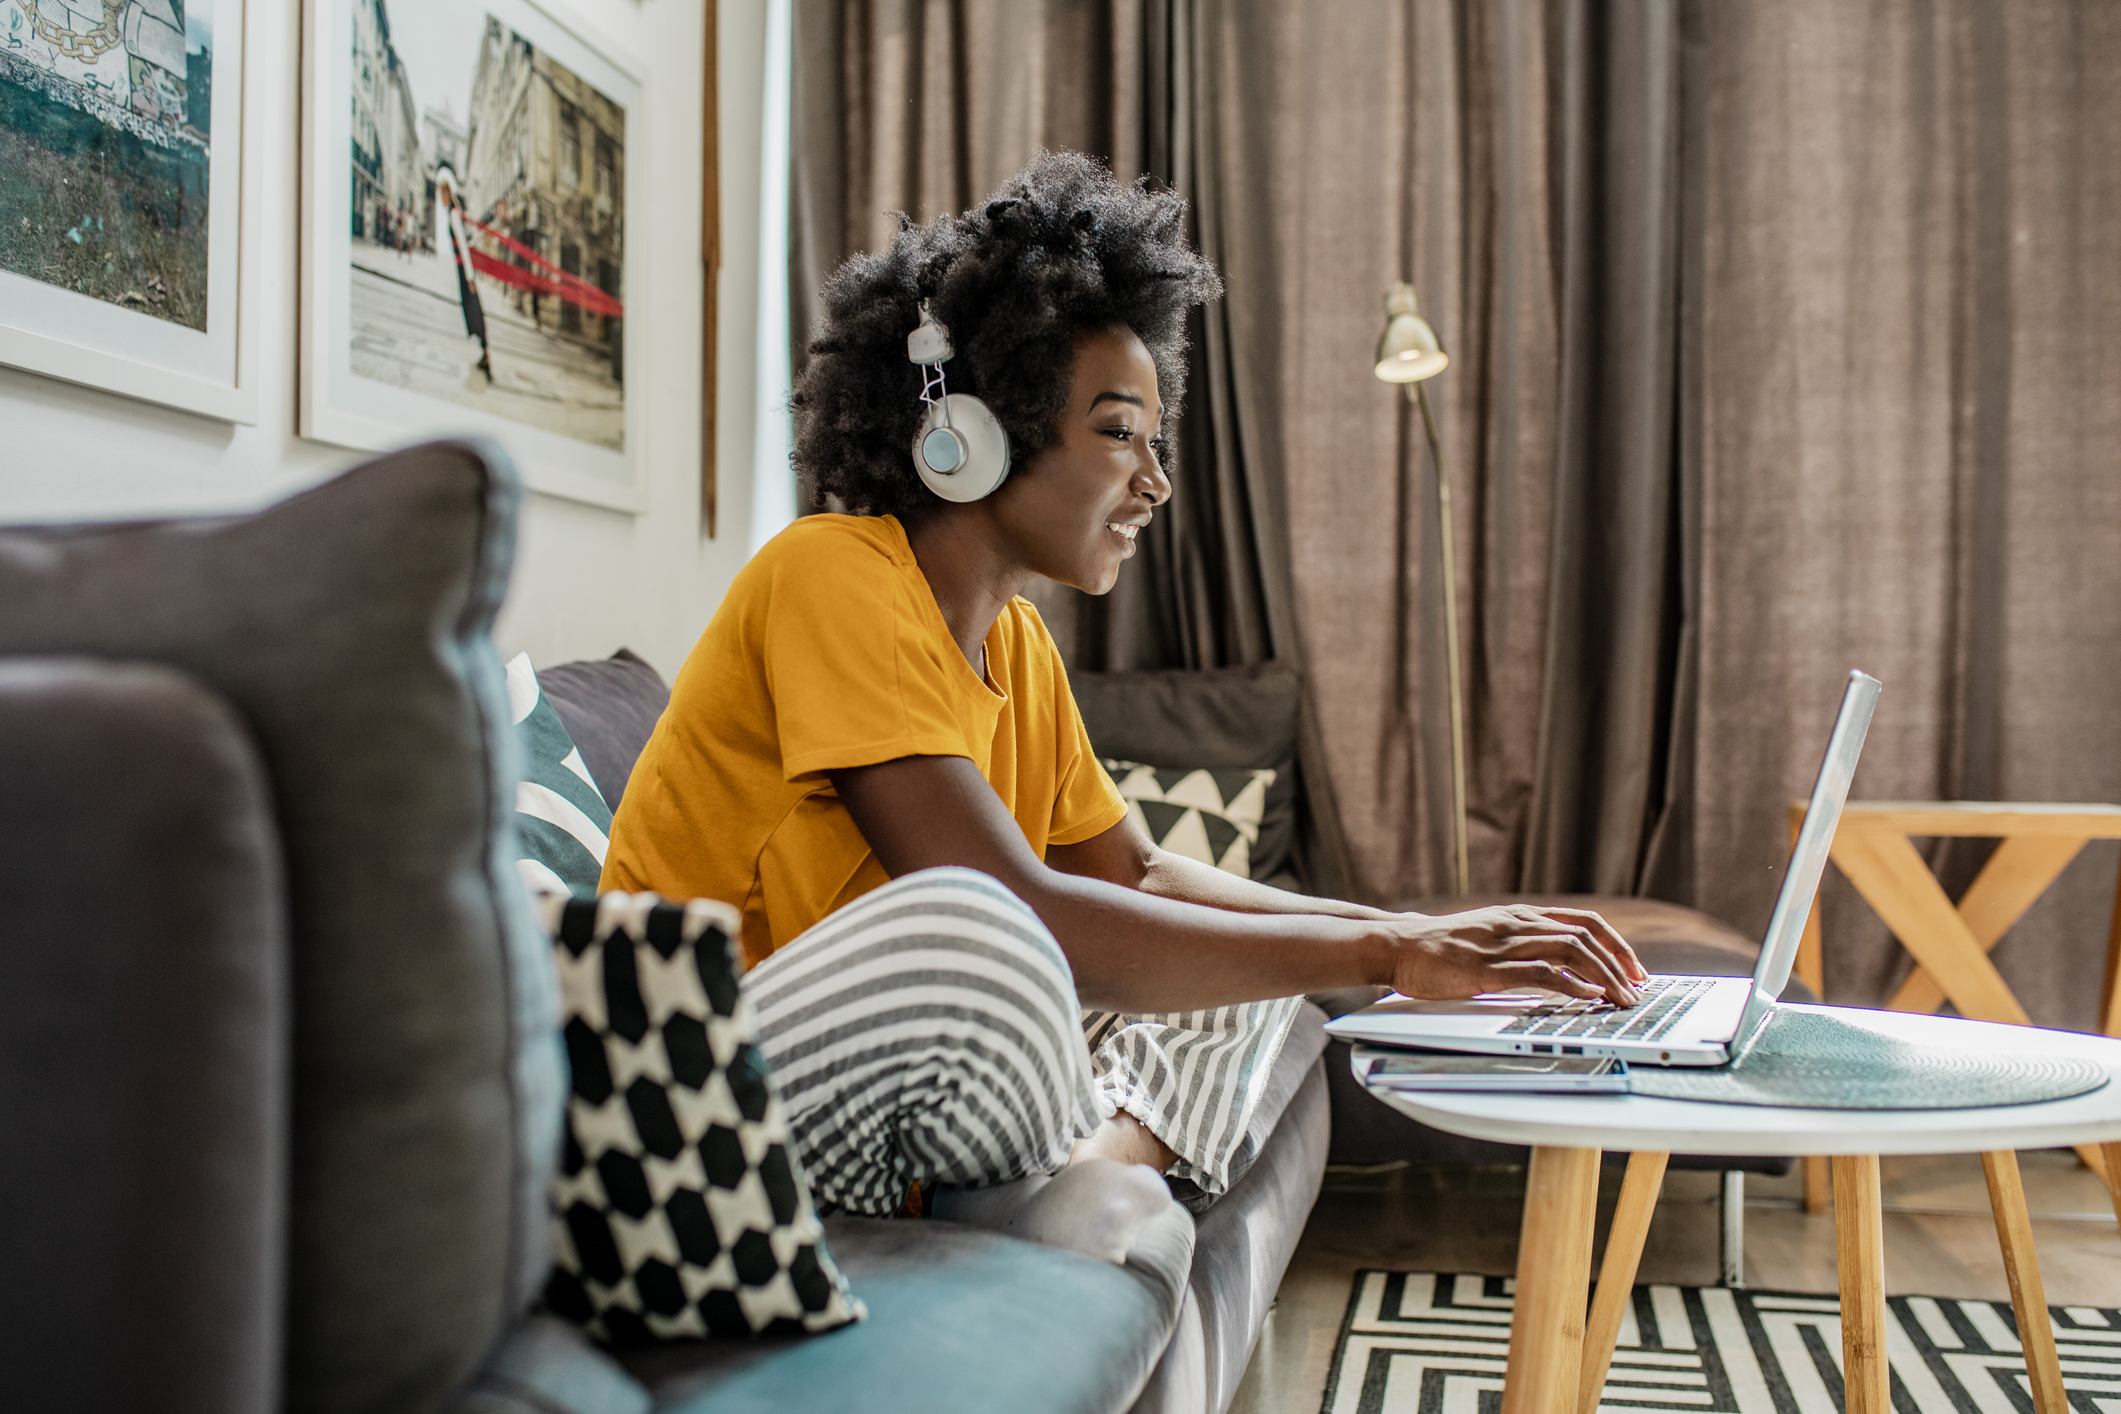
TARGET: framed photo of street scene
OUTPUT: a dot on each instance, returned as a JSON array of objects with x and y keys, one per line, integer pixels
[
  {"x": 467, "y": 236},
  {"x": 129, "y": 200}
]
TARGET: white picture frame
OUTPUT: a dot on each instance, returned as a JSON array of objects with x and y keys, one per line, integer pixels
[
  {"x": 98, "y": 342},
  {"x": 341, "y": 404}
]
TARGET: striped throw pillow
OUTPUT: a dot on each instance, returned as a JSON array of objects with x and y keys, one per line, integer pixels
[{"x": 560, "y": 814}]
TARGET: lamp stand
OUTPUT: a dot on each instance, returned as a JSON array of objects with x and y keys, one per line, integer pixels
[{"x": 1419, "y": 393}]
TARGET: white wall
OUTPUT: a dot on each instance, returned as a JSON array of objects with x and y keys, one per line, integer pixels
[{"x": 587, "y": 581}]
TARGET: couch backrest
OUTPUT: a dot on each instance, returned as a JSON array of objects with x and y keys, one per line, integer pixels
[
  {"x": 143, "y": 1046},
  {"x": 610, "y": 707},
  {"x": 348, "y": 628}
]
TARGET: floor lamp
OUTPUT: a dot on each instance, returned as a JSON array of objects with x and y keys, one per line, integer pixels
[{"x": 1408, "y": 353}]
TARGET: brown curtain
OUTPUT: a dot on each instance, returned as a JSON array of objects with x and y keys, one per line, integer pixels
[
  {"x": 1520, "y": 163},
  {"x": 1905, "y": 444},
  {"x": 1776, "y": 335}
]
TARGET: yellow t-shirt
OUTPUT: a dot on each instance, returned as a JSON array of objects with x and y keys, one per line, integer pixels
[{"x": 829, "y": 652}]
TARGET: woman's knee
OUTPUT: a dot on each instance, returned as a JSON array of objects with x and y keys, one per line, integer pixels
[
  {"x": 922, "y": 931},
  {"x": 973, "y": 911}
]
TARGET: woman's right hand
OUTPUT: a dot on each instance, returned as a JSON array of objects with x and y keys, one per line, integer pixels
[{"x": 1567, "y": 950}]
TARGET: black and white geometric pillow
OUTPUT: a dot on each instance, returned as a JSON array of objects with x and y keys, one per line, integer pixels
[
  {"x": 1209, "y": 815},
  {"x": 679, "y": 1210}
]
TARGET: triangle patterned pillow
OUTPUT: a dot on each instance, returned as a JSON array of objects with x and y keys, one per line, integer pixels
[
  {"x": 680, "y": 1209},
  {"x": 1206, "y": 814}
]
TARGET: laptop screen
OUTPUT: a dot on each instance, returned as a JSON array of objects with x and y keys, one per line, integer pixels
[{"x": 1800, "y": 881}]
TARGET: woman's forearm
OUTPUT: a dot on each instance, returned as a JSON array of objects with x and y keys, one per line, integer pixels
[
  {"x": 1134, "y": 949},
  {"x": 1174, "y": 876},
  {"x": 1137, "y": 950}
]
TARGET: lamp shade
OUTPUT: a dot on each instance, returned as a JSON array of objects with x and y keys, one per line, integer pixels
[{"x": 1408, "y": 351}]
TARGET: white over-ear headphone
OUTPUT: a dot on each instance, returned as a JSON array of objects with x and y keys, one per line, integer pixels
[{"x": 960, "y": 451}]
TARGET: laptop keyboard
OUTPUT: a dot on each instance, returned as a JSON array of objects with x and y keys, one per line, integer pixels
[{"x": 1663, "y": 1001}]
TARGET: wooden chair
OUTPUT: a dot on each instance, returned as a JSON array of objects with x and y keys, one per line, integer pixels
[{"x": 1950, "y": 943}]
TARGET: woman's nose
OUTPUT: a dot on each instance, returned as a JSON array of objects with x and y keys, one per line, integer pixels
[{"x": 1151, "y": 480}]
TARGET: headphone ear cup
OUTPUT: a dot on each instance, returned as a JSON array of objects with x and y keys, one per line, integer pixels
[{"x": 974, "y": 443}]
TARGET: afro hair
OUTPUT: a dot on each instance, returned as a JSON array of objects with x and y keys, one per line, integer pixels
[{"x": 1063, "y": 247}]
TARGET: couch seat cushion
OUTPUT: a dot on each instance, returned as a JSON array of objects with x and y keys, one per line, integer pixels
[
  {"x": 1244, "y": 1243},
  {"x": 960, "y": 1319}
]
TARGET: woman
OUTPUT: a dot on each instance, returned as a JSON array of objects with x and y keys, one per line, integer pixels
[
  {"x": 460, "y": 248},
  {"x": 873, "y": 751}
]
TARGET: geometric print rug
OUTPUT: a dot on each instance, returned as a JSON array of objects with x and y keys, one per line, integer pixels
[{"x": 1420, "y": 1343}]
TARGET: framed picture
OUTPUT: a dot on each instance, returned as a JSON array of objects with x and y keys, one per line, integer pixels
[
  {"x": 466, "y": 236},
  {"x": 129, "y": 200}
]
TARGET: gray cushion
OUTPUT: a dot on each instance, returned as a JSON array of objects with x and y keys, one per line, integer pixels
[
  {"x": 610, "y": 707},
  {"x": 348, "y": 626},
  {"x": 1221, "y": 718},
  {"x": 143, "y": 1046},
  {"x": 1244, "y": 1243},
  {"x": 547, "y": 1367},
  {"x": 960, "y": 1319}
]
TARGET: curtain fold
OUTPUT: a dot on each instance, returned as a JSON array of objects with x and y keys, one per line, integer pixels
[
  {"x": 1614, "y": 569},
  {"x": 1775, "y": 334}
]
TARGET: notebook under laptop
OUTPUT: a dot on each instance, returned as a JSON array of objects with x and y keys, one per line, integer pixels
[{"x": 1678, "y": 1020}]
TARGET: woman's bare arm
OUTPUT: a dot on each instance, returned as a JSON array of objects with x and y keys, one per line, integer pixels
[
  {"x": 1126, "y": 856},
  {"x": 1135, "y": 950}
]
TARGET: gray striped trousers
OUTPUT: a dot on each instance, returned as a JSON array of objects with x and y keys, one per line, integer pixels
[{"x": 929, "y": 1033}]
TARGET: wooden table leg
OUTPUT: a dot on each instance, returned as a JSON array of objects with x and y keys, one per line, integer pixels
[
  {"x": 2014, "y": 1233},
  {"x": 1859, "y": 1239},
  {"x": 1616, "y": 1276},
  {"x": 2112, "y": 1154},
  {"x": 1553, "y": 1274},
  {"x": 1818, "y": 1185}
]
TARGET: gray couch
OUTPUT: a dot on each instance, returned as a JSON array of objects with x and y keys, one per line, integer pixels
[
  {"x": 1242, "y": 1243},
  {"x": 278, "y": 1072}
]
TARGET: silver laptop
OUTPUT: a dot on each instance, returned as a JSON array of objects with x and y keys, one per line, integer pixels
[{"x": 1677, "y": 1020}]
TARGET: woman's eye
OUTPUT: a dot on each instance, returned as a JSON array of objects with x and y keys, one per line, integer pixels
[
  {"x": 1157, "y": 445},
  {"x": 1124, "y": 434}
]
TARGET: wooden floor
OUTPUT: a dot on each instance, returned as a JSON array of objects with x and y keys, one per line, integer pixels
[{"x": 1940, "y": 1242}]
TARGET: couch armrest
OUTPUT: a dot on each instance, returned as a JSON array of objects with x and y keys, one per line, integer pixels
[{"x": 143, "y": 1045}]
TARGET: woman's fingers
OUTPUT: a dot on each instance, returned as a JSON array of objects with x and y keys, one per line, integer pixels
[
  {"x": 1570, "y": 951},
  {"x": 1574, "y": 951},
  {"x": 1609, "y": 946},
  {"x": 1607, "y": 935},
  {"x": 1549, "y": 976}
]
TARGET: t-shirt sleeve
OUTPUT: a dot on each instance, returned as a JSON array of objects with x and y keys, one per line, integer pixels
[
  {"x": 850, "y": 687},
  {"x": 1085, "y": 802}
]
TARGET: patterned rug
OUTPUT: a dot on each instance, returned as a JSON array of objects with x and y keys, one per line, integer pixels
[{"x": 1419, "y": 1343}]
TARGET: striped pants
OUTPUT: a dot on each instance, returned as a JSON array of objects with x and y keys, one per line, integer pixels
[{"x": 929, "y": 1033}]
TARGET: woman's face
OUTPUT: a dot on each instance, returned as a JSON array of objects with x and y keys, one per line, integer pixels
[{"x": 1073, "y": 511}]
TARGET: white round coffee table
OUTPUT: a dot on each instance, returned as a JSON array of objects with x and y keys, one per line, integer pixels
[{"x": 1558, "y": 1361}]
